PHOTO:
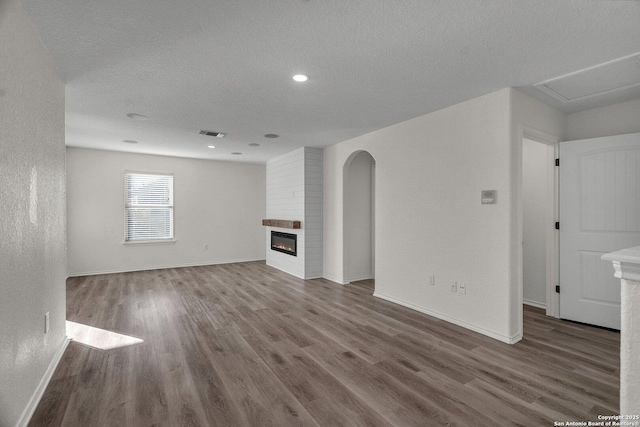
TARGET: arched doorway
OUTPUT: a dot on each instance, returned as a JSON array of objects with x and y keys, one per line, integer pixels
[{"x": 359, "y": 217}]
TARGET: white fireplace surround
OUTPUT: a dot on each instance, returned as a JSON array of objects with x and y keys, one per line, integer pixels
[{"x": 294, "y": 192}]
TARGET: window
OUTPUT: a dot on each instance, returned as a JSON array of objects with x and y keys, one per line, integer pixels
[{"x": 148, "y": 211}]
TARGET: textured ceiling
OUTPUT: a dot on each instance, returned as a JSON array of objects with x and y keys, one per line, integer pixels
[{"x": 226, "y": 66}]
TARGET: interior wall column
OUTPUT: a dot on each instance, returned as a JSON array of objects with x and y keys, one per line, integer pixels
[{"x": 626, "y": 264}]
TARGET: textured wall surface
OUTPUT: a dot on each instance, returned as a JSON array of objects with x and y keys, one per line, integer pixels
[
  {"x": 625, "y": 264},
  {"x": 430, "y": 172},
  {"x": 630, "y": 340},
  {"x": 219, "y": 204},
  {"x": 32, "y": 211},
  {"x": 429, "y": 220}
]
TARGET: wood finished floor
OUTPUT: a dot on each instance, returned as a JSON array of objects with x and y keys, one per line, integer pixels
[{"x": 246, "y": 345}]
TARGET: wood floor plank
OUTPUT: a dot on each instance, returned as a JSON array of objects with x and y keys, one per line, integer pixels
[
  {"x": 546, "y": 378},
  {"x": 503, "y": 407},
  {"x": 247, "y": 345},
  {"x": 370, "y": 388},
  {"x": 209, "y": 386},
  {"x": 333, "y": 400},
  {"x": 455, "y": 407},
  {"x": 184, "y": 408}
]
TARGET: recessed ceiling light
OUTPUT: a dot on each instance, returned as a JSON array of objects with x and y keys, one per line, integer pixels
[
  {"x": 129, "y": 141},
  {"x": 300, "y": 78},
  {"x": 235, "y": 153},
  {"x": 253, "y": 144},
  {"x": 136, "y": 116},
  {"x": 211, "y": 146},
  {"x": 271, "y": 135}
]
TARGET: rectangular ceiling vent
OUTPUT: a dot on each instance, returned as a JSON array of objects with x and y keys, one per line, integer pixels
[
  {"x": 210, "y": 133},
  {"x": 612, "y": 76}
]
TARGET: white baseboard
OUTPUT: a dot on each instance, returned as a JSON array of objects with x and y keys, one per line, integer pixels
[
  {"x": 534, "y": 304},
  {"x": 358, "y": 278},
  {"x": 334, "y": 280},
  {"x": 42, "y": 386},
  {"x": 495, "y": 335},
  {"x": 162, "y": 267}
]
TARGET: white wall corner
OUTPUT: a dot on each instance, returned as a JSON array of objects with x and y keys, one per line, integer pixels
[
  {"x": 335, "y": 280},
  {"x": 509, "y": 339}
]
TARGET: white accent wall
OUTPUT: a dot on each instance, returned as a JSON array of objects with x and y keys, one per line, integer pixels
[
  {"x": 430, "y": 172},
  {"x": 219, "y": 204},
  {"x": 294, "y": 192},
  {"x": 32, "y": 212}
]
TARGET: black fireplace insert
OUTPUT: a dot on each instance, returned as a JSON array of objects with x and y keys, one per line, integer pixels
[{"x": 284, "y": 242}]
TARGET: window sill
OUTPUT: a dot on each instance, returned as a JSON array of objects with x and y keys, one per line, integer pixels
[{"x": 150, "y": 242}]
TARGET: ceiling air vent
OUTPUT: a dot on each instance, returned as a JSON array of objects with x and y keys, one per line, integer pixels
[
  {"x": 612, "y": 76},
  {"x": 210, "y": 133}
]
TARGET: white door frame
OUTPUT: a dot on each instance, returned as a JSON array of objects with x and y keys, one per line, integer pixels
[{"x": 552, "y": 251}]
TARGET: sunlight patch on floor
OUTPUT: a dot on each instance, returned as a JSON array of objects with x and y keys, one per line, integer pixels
[{"x": 100, "y": 339}]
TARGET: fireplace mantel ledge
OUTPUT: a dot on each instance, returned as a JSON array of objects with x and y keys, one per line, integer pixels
[
  {"x": 626, "y": 263},
  {"x": 281, "y": 223}
]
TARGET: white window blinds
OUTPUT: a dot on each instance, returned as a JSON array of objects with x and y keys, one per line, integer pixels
[{"x": 148, "y": 207}]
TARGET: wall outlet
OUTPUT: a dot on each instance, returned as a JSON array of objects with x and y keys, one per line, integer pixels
[
  {"x": 46, "y": 322},
  {"x": 432, "y": 280},
  {"x": 462, "y": 288},
  {"x": 205, "y": 247},
  {"x": 454, "y": 287}
]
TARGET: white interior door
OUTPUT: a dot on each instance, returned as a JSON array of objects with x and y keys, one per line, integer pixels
[{"x": 599, "y": 197}]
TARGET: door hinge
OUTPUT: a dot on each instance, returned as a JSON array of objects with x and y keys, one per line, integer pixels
[
  {"x": 557, "y": 289},
  {"x": 557, "y": 225},
  {"x": 557, "y": 162}
]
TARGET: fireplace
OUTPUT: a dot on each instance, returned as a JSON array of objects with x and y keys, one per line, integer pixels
[{"x": 284, "y": 242}]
